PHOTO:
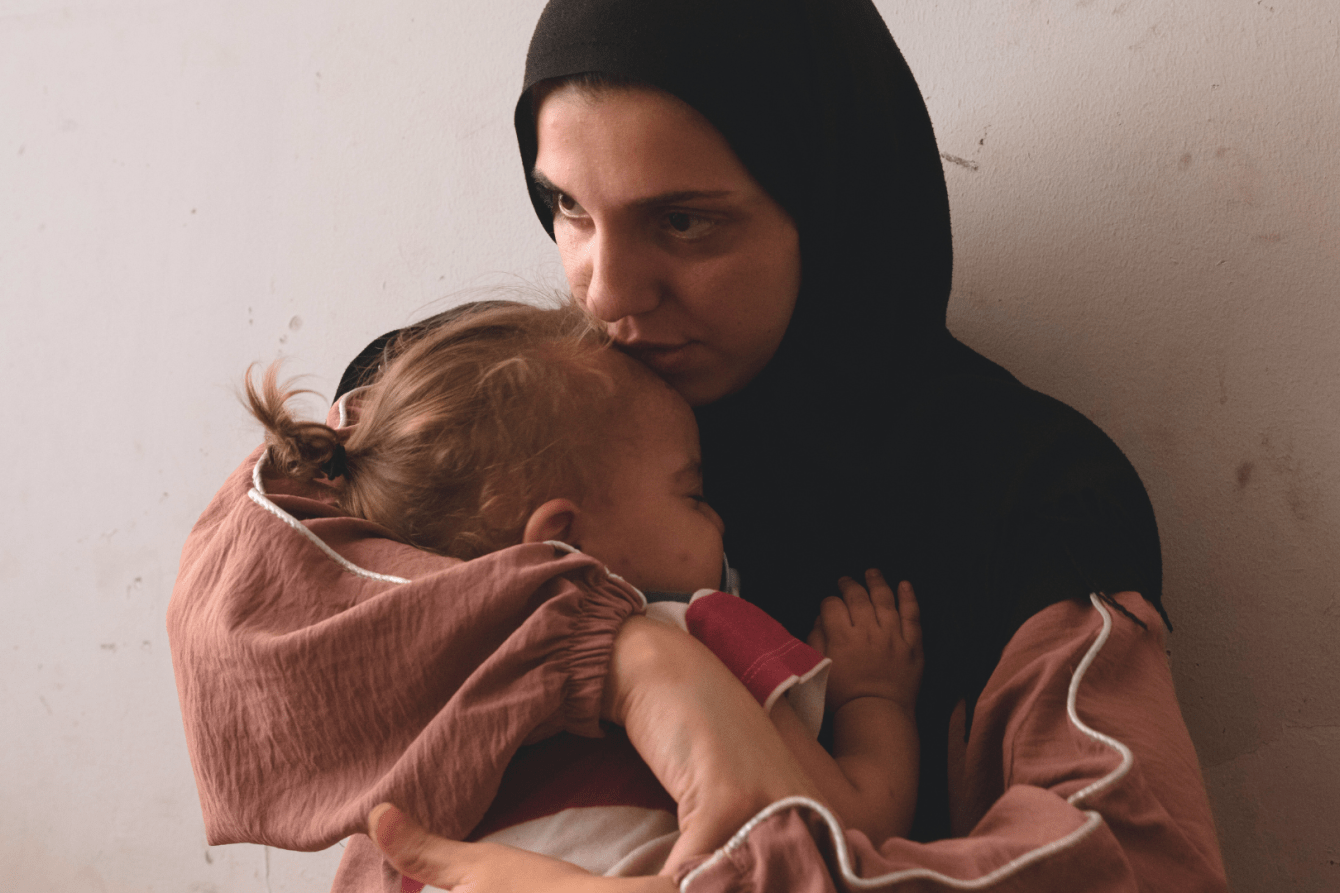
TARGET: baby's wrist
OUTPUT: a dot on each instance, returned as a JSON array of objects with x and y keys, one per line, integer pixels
[
  {"x": 877, "y": 700},
  {"x": 840, "y": 704}
]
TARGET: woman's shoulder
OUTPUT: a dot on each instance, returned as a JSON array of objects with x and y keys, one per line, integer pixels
[
  {"x": 991, "y": 431},
  {"x": 995, "y": 408},
  {"x": 1058, "y": 502},
  {"x": 994, "y": 433}
]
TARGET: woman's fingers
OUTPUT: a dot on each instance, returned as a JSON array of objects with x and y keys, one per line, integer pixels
[
  {"x": 471, "y": 867},
  {"x": 413, "y": 851}
]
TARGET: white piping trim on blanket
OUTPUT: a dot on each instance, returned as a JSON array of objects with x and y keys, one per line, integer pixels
[
  {"x": 1127, "y": 758},
  {"x": 1092, "y": 819},
  {"x": 1091, "y": 822},
  {"x": 573, "y": 550},
  {"x": 342, "y": 405},
  {"x": 257, "y": 494}
]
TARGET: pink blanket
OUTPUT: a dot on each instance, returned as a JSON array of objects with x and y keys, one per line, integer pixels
[{"x": 324, "y": 667}]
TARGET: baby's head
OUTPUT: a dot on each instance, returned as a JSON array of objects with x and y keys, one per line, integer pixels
[{"x": 515, "y": 424}]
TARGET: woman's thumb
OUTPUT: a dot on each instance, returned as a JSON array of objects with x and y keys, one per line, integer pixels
[{"x": 413, "y": 851}]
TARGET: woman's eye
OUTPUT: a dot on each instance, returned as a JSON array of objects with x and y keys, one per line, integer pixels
[
  {"x": 565, "y": 205},
  {"x": 683, "y": 225}
]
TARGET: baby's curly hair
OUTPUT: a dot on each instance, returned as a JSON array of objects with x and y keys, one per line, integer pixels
[{"x": 469, "y": 426}]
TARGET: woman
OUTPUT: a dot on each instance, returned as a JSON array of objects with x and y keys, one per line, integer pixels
[
  {"x": 749, "y": 191},
  {"x": 840, "y": 418},
  {"x": 870, "y": 436}
]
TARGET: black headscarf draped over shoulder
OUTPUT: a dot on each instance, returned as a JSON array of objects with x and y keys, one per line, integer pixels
[{"x": 872, "y": 438}]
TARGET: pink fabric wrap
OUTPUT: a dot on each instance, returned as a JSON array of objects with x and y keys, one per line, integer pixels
[
  {"x": 310, "y": 693},
  {"x": 1050, "y": 806}
]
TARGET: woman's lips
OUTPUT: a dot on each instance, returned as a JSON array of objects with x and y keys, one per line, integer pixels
[{"x": 667, "y": 359}]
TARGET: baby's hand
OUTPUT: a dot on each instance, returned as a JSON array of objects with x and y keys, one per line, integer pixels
[{"x": 874, "y": 641}]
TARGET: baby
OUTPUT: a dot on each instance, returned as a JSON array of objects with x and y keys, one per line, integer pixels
[{"x": 511, "y": 425}]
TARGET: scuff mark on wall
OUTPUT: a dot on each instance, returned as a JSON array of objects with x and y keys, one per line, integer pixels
[
  {"x": 1151, "y": 33},
  {"x": 961, "y": 162},
  {"x": 1244, "y": 474},
  {"x": 1299, "y": 484},
  {"x": 1236, "y": 176}
]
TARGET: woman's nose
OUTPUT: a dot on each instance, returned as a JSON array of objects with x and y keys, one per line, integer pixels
[{"x": 623, "y": 281}]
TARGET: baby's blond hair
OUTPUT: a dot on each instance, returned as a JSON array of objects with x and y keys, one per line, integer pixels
[{"x": 469, "y": 426}]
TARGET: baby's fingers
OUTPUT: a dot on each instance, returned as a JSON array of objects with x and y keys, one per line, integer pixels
[
  {"x": 817, "y": 640},
  {"x": 881, "y": 596},
  {"x": 833, "y": 615},
  {"x": 859, "y": 607},
  {"x": 910, "y": 612}
]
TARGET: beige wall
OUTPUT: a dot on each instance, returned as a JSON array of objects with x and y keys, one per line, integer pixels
[{"x": 1147, "y": 213}]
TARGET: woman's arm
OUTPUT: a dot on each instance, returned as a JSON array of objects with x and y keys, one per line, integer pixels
[
  {"x": 701, "y": 732},
  {"x": 703, "y": 735},
  {"x": 1079, "y": 776},
  {"x": 1085, "y": 775}
]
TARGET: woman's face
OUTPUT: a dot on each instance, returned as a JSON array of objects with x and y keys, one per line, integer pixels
[{"x": 666, "y": 236}]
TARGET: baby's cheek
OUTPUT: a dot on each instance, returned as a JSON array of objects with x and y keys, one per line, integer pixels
[
  {"x": 620, "y": 561},
  {"x": 698, "y": 568}
]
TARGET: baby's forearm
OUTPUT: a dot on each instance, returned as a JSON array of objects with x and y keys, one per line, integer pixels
[
  {"x": 876, "y": 746},
  {"x": 871, "y": 778}
]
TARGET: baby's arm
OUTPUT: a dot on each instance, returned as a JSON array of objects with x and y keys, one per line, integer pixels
[{"x": 875, "y": 644}]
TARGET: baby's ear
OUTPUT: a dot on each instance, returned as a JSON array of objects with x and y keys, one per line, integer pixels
[{"x": 552, "y": 521}]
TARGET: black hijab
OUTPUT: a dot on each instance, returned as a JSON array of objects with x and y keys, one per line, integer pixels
[
  {"x": 819, "y": 105},
  {"x": 872, "y": 438}
]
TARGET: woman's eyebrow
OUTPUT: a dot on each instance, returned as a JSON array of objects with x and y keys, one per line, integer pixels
[
  {"x": 543, "y": 182},
  {"x": 665, "y": 198},
  {"x": 683, "y": 195}
]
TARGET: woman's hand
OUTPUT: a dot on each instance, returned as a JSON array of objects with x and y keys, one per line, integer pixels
[
  {"x": 486, "y": 867},
  {"x": 701, "y": 732}
]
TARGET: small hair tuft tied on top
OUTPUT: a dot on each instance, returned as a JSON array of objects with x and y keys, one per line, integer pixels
[{"x": 298, "y": 448}]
